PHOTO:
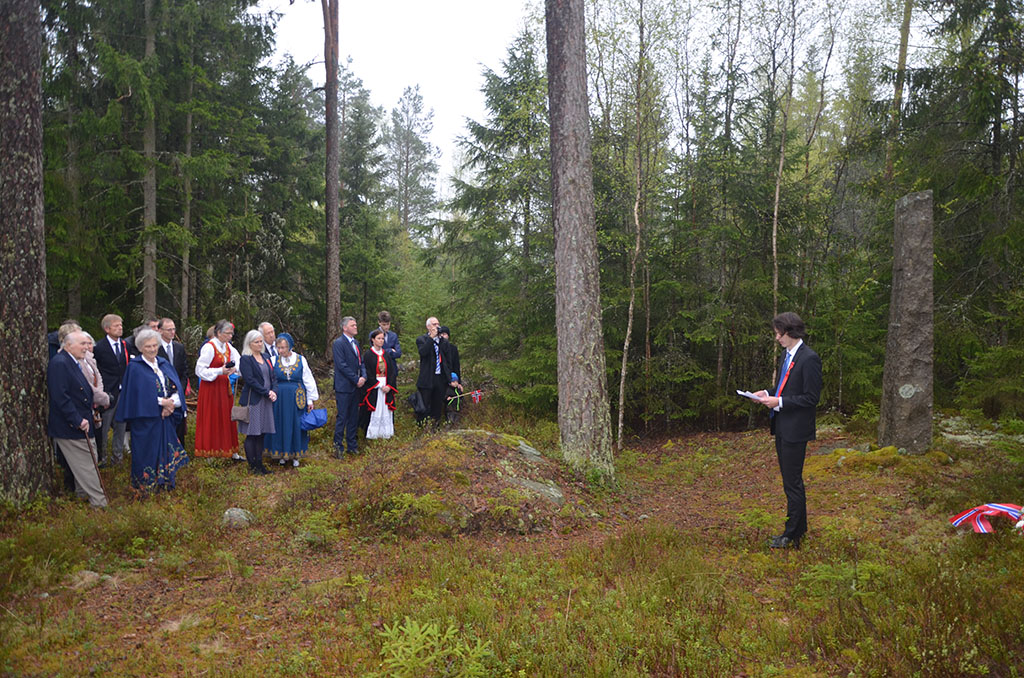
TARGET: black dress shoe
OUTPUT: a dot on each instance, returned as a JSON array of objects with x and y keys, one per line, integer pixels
[
  {"x": 783, "y": 542},
  {"x": 259, "y": 471}
]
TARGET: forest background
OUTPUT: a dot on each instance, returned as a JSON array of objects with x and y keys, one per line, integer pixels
[{"x": 733, "y": 145}]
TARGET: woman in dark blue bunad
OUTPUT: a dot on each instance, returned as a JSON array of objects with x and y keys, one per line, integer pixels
[
  {"x": 151, "y": 402},
  {"x": 296, "y": 393}
]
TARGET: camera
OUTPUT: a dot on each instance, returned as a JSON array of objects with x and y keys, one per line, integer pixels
[{"x": 229, "y": 364}]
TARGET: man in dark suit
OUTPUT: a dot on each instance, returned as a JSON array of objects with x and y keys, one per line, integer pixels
[
  {"x": 269, "y": 340},
  {"x": 349, "y": 376},
  {"x": 792, "y": 406},
  {"x": 111, "y": 353},
  {"x": 435, "y": 372},
  {"x": 69, "y": 421},
  {"x": 174, "y": 351},
  {"x": 391, "y": 346}
]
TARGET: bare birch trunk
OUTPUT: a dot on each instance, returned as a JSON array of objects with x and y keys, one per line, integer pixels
[
  {"x": 897, "y": 96},
  {"x": 637, "y": 197}
]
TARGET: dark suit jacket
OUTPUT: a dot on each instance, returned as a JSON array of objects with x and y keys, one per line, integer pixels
[
  {"x": 70, "y": 398},
  {"x": 348, "y": 366},
  {"x": 179, "y": 362},
  {"x": 111, "y": 369},
  {"x": 252, "y": 386},
  {"x": 425, "y": 346},
  {"x": 794, "y": 423},
  {"x": 391, "y": 345}
]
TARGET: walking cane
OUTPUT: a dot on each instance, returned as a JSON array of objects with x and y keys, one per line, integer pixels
[{"x": 92, "y": 455}]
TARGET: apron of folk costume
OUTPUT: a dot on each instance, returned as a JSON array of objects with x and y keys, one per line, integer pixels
[{"x": 382, "y": 423}]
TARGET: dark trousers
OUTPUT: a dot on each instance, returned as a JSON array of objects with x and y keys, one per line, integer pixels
[
  {"x": 436, "y": 399},
  {"x": 345, "y": 423},
  {"x": 115, "y": 453},
  {"x": 791, "y": 465},
  {"x": 181, "y": 429},
  {"x": 253, "y": 446}
]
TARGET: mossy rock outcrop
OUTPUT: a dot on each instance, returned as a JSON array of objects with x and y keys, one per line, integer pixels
[{"x": 464, "y": 481}]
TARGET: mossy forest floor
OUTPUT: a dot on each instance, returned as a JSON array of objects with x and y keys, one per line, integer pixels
[{"x": 427, "y": 556}]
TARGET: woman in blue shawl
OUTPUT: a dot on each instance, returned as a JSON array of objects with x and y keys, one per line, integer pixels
[
  {"x": 151, "y": 401},
  {"x": 296, "y": 392}
]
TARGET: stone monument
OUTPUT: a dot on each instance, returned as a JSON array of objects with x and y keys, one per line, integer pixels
[{"x": 906, "y": 414}]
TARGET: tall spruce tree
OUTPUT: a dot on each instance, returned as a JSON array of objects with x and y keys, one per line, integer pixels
[{"x": 411, "y": 161}]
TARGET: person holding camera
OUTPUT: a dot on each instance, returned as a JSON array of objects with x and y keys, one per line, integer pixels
[
  {"x": 435, "y": 372},
  {"x": 216, "y": 435}
]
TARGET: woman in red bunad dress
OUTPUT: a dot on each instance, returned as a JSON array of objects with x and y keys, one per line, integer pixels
[{"x": 216, "y": 434}]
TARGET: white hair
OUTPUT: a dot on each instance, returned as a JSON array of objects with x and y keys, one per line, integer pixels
[
  {"x": 250, "y": 336},
  {"x": 71, "y": 337},
  {"x": 145, "y": 335}
]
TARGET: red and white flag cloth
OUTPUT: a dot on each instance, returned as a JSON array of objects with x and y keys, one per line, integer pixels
[{"x": 978, "y": 516}]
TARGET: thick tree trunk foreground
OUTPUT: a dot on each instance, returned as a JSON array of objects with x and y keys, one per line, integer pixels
[
  {"x": 584, "y": 420},
  {"x": 25, "y": 459}
]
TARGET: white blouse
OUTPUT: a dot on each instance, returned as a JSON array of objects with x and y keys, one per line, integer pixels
[
  {"x": 308, "y": 382},
  {"x": 206, "y": 353},
  {"x": 155, "y": 366}
]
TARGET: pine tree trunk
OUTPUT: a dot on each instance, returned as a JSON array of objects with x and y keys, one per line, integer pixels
[
  {"x": 186, "y": 217},
  {"x": 583, "y": 416},
  {"x": 25, "y": 461},
  {"x": 149, "y": 184},
  {"x": 333, "y": 186}
]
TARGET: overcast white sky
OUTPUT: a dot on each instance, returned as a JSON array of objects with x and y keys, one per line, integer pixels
[{"x": 441, "y": 45}]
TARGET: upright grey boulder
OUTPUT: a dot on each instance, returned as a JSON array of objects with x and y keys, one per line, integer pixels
[{"x": 906, "y": 413}]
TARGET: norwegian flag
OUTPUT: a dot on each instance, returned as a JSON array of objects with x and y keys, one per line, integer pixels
[
  {"x": 477, "y": 395},
  {"x": 979, "y": 515}
]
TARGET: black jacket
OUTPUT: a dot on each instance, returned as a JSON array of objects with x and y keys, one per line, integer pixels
[
  {"x": 428, "y": 361},
  {"x": 179, "y": 362},
  {"x": 111, "y": 368},
  {"x": 795, "y": 423}
]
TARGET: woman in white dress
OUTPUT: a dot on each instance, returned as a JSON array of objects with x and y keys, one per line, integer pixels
[{"x": 377, "y": 406}]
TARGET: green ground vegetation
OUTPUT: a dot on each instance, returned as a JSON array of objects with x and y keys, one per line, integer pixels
[{"x": 404, "y": 562}]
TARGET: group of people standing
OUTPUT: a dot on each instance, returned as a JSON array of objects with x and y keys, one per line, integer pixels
[
  {"x": 112, "y": 385},
  {"x": 135, "y": 387},
  {"x": 366, "y": 380}
]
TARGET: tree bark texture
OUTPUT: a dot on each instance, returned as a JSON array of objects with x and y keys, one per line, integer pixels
[
  {"x": 25, "y": 460},
  {"x": 584, "y": 419},
  {"x": 906, "y": 413},
  {"x": 149, "y": 184},
  {"x": 331, "y": 179}
]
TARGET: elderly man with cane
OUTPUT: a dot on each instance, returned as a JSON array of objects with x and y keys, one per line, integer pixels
[{"x": 70, "y": 420}]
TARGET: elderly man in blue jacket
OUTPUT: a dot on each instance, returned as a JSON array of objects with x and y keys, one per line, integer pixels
[{"x": 70, "y": 421}]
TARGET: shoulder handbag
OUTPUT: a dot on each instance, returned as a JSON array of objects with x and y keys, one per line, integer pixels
[{"x": 240, "y": 412}]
